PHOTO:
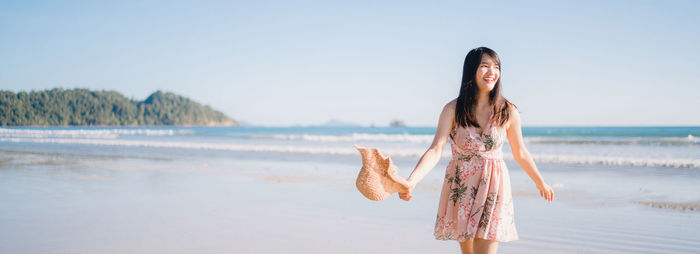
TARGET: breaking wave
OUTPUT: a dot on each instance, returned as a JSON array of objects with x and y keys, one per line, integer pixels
[
  {"x": 669, "y": 141},
  {"x": 328, "y": 150},
  {"x": 88, "y": 133},
  {"x": 354, "y": 137},
  {"x": 427, "y": 139}
]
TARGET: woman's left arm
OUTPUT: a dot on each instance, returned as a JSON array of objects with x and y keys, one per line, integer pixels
[{"x": 522, "y": 156}]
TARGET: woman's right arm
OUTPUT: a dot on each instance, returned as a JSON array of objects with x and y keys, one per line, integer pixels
[{"x": 432, "y": 156}]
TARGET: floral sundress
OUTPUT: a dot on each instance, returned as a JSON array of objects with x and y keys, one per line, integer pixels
[{"x": 476, "y": 198}]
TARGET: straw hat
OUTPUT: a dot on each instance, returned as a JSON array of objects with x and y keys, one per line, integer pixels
[{"x": 378, "y": 178}]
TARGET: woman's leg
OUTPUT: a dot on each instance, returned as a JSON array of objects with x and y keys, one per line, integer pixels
[
  {"x": 482, "y": 246},
  {"x": 467, "y": 246}
]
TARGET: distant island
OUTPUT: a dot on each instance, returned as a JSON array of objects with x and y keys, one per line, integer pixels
[
  {"x": 84, "y": 107},
  {"x": 397, "y": 123}
]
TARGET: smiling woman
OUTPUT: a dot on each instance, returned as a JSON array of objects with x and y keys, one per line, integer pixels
[{"x": 476, "y": 204}]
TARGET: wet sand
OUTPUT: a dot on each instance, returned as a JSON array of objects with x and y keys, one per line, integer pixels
[{"x": 69, "y": 204}]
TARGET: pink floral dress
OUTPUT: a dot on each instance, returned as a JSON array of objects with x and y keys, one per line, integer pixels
[{"x": 476, "y": 198}]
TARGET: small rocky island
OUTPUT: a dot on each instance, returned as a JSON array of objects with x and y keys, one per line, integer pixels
[
  {"x": 84, "y": 107},
  {"x": 397, "y": 123}
]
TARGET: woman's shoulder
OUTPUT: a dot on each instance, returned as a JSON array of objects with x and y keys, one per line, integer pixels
[
  {"x": 448, "y": 112},
  {"x": 513, "y": 114},
  {"x": 452, "y": 105},
  {"x": 511, "y": 107},
  {"x": 449, "y": 109}
]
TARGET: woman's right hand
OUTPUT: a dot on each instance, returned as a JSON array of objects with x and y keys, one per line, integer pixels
[{"x": 407, "y": 195}]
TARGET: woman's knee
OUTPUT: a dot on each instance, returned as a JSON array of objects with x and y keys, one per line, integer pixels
[
  {"x": 467, "y": 246},
  {"x": 483, "y": 246}
]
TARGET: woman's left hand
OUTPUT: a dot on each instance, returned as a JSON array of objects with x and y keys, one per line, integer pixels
[{"x": 546, "y": 192}]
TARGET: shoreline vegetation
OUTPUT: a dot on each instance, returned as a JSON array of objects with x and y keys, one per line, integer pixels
[{"x": 84, "y": 107}]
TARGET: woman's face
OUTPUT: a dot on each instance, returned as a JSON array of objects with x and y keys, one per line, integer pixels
[{"x": 488, "y": 73}]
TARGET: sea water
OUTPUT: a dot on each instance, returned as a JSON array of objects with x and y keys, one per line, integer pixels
[
  {"x": 62, "y": 187},
  {"x": 664, "y": 147},
  {"x": 583, "y": 152}
]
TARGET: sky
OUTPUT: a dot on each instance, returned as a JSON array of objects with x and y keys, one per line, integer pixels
[{"x": 285, "y": 63}]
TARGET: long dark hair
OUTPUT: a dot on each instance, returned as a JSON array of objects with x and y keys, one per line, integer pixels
[{"x": 468, "y": 92}]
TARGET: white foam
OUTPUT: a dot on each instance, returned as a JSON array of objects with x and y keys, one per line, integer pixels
[
  {"x": 356, "y": 137},
  {"x": 427, "y": 139},
  {"x": 88, "y": 133},
  {"x": 403, "y": 152},
  {"x": 690, "y": 140},
  {"x": 187, "y": 145},
  {"x": 618, "y": 161}
]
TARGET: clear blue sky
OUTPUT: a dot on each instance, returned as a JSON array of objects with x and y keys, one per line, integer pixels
[{"x": 306, "y": 62}]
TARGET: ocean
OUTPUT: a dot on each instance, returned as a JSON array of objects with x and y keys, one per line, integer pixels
[
  {"x": 665, "y": 147},
  {"x": 235, "y": 189}
]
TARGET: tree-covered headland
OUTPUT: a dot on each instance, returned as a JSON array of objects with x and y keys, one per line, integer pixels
[{"x": 68, "y": 107}]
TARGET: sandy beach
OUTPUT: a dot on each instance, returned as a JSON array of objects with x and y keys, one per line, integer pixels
[{"x": 53, "y": 202}]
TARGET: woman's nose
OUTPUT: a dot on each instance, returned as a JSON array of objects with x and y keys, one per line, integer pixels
[{"x": 493, "y": 70}]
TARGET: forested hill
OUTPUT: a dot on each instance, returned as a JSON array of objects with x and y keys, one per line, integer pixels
[{"x": 59, "y": 107}]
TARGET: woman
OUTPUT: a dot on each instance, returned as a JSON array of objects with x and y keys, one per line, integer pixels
[{"x": 476, "y": 206}]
